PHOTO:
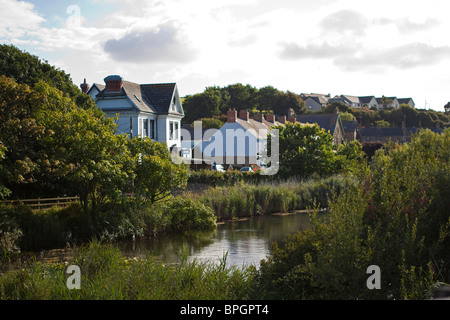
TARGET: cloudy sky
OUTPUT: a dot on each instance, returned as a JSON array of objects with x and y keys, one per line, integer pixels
[{"x": 385, "y": 47}]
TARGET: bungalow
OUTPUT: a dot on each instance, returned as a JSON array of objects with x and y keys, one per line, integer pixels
[
  {"x": 409, "y": 101},
  {"x": 315, "y": 101},
  {"x": 369, "y": 102},
  {"x": 388, "y": 102},
  {"x": 145, "y": 110}
]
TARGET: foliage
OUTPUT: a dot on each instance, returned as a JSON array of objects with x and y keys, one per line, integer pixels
[
  {"x": 156, "y": 175},
  {"x": 215, "y": 101},
  {"x": 4, "y": 192},
  {"x": 28, "y": 69},
  {"x": 247, "y": 199},
  {"x": 396, "y": 217},
  {"x": 306, "y": 150},
  {"x": 107, "y": 275}
]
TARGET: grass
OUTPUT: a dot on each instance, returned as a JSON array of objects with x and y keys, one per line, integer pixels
[
  {"x": 107, "y": 275},
  {"x": 244, "y": 200}
]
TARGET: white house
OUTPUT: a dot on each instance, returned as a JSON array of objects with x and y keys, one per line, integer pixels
[
  {"x": 145, "y": 110},
  {"x": 240, "y": 141}
]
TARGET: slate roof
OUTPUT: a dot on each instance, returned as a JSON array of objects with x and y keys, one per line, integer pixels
[
  {"x": 154, "y": 98},
  {"x": 364, "y": 100},
  {"x": 325, "y": 121}
]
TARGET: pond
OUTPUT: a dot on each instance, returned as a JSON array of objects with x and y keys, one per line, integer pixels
[{"x": 242, "y": 242}]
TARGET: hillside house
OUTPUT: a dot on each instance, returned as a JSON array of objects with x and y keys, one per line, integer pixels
[
  {"x": 315, "y": 101},
  {"x": 329, "y": 122},
  {"x": 145, "y": 110}
]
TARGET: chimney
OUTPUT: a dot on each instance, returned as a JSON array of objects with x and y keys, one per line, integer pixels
[
  {"x": 244, "y": 115},
  {"x": 113, "y": 83},
  {"x": 270, "y": 118},
  {"x": 84, "y": 86},
  {"x": 282, "y": 119},
  {"x": 231, "y": 115},
  {"x": 259, "y": 117},
  {"x": 292, "y": 119}
]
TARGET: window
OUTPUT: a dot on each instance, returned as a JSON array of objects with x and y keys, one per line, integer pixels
[
  {"x": 145, "y": 128},
  {"x": 176, "y": 131},
  {"x": 152, "y": 130},
  {"x": 171, "y": 130}
]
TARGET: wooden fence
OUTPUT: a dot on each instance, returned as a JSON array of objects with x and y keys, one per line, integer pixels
[{"x": 42, "y": 203}]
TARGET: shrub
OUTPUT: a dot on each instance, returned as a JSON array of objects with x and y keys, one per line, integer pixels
[{"x": 396, "y": 217}]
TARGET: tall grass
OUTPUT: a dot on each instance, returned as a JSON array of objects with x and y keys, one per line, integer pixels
[
  {"x": 107, "y": 275},
  {"x": 244, "y": 200}
]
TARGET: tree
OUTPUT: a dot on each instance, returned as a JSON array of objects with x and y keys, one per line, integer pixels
[
  {"x": 305, "y": 150},
  {"x": 28, "y": 69},
  {"x": 447, "y": 108},
  {"x": 4, "y": 192},
  {"x": 156, "y": 175},
  {"x": 212, "y": 102},
  {"x": 242, "y": 97}
]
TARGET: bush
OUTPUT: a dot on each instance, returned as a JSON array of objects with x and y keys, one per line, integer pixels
[{"x": 396, "y": 217}]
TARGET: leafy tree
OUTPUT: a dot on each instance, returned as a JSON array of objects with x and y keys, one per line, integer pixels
[
  {"x": 156, "y": 175},
  {"x": 3, "y": 190},
  {"x": 241, "y": 97},
  {"x": 267, "y": 99},
  {"x": 212, "y": 102},
  {"x": 305, "y": 150},
  {"x": 288, "y": 100},
  {"x": 26, "y": 68}
]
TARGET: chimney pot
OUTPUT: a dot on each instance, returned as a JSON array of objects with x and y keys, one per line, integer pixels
[
  {"x": 84, "y": 87},
  {"x": 244, "y": 115},
  {"x": 231, "y": 115},
  {"x": 113, "y": 83},
  {"x": 282, "y": 119}
]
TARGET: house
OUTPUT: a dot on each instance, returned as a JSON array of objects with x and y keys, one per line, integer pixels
[
  {"x": 368, "y": 101},
  {"x": 241, "y": 140},
  {"x": 409, "y": 101},
  {"x": 315, "y": 101},
  {"x": 145, "y": 110},
  {"x": 382, "y": 104},
  {"x": 330, "y": 122},
  {"x": 351, "y": 101},
  {"x": 350, "y": 130}
]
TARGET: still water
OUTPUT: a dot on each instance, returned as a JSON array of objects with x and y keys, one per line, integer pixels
[{"x": 242, "y": 242}]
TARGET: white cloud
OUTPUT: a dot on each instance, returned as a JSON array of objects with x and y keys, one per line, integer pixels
[
  {"x": 324, "y": 45},
  {"x": 17, "y": 18}
]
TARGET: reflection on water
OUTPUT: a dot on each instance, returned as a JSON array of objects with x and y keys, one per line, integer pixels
[{"x": 243, "y": 243}]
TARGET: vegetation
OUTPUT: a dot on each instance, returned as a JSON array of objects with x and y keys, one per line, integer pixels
[
  {"x": 396, "y": 217},
  {"x": 247, "y": 199},
  {"x": 107, "y": 275},
  {"x": 308, "y": 150},
  {"x": 215, "y": 101}
]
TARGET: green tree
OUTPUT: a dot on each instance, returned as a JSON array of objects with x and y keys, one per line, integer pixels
[
  {"x": 242, "y": 97},
  {"x": 210, "y": 103},
  {"x": 3, "y": 190},
  {"x": 305, "y": 150},
  {"x": 156, "y": 175},
  {"x": 26, "y": 68}
]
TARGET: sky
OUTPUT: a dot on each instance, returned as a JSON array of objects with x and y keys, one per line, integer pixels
[{"x": 361, "y": 48}]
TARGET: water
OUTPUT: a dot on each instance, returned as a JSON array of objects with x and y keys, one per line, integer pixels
[{"x": 243, "y": 242}]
